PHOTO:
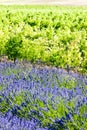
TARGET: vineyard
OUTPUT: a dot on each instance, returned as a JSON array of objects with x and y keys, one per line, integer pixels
[
  {"x": 54, "y": 35},
  {"x": 50, "y": 96}
]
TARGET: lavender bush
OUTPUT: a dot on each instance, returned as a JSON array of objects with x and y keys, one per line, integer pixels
[{"x": 37, "y": 98}]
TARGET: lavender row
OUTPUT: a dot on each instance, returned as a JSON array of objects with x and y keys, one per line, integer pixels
[{"x": 54, "y": 98}]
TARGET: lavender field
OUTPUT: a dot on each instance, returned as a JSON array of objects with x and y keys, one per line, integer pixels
[
  {"x": 43, "y": 66},
  {"x": 41, "y": 98}
]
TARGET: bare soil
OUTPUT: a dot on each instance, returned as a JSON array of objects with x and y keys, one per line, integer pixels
[{"x": 45, "y": 2}]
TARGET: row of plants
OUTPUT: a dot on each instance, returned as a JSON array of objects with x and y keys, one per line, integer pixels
[
  {"x": 54, "y": 35},
  {"x": 36, "y": 98}
]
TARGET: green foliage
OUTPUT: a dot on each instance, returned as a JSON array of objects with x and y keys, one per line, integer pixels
[
  {"x": 13, "y": 46},
  {"x": 2, "y": 42},
  {"x": 55, "y": 35}
]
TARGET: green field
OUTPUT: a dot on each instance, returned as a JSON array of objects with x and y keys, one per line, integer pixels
[{"x": 51, "y": 34}]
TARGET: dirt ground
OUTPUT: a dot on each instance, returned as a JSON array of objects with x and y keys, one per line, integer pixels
[{"x": 45, "y": 2}]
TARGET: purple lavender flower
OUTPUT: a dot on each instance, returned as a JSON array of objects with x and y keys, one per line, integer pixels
[{"x": 34, "y": 95}]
